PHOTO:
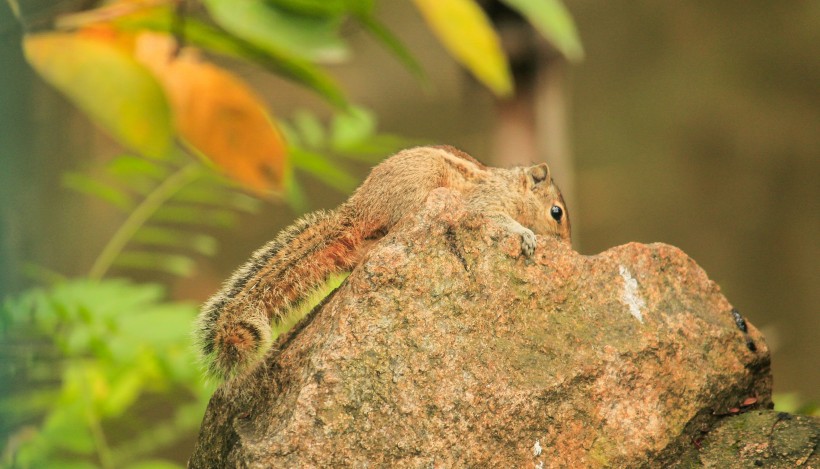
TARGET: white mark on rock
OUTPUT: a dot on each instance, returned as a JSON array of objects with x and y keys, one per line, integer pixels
[
  {"x": 631, "y": 296},
  {"x": 536, "y": 449},
  {"x": 540, "y": 465}
]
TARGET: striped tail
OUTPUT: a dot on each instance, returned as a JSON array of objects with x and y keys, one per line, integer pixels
[{"x": 233, "y": 330}]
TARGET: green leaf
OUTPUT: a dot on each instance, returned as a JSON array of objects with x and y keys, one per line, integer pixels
[
  {"x": 128, "y": 166},
  {"x": 260, "y": 23},
  {"x": 321, "y": 168},
  {"x": 108, "y": 85},
  {"x": 170, "y": 263},
  {"x": 353, "y": 137},
  {"x": 77, "y": 341},
  {"x": 89, "y": 186},
  {"x": 466, "y": 32},
  {"x": 350, "y": 128},
  {"x": 553, "y": 21}
]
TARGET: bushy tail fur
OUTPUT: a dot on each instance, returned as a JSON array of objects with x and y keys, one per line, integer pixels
[{"x": 234, "y": 327}]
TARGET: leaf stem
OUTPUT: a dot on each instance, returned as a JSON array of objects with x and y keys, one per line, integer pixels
[{"x": 149, "y": 205}]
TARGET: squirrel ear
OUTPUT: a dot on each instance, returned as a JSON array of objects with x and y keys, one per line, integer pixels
[{"x": 539, "y": 173}]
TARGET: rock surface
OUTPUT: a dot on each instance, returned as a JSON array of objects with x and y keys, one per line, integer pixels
[
  {"x": 447, "y": 348},
  {"x": 761, "y": 438}
]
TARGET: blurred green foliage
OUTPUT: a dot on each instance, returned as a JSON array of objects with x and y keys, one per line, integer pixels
[
  {"x": 99, "y": 372},
  {"x": 89, "y": 357}
]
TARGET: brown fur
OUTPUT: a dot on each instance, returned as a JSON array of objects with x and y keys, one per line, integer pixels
[{"x": 233, "y": 329}]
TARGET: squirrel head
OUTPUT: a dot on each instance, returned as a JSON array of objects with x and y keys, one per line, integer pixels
[{"x": 551, "y": 215}]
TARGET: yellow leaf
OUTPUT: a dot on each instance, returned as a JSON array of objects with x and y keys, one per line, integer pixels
[
  {"x": 468, "y": 35},
  {"x": 106, "y": 83},
  {"x": 217, "y": 114}
]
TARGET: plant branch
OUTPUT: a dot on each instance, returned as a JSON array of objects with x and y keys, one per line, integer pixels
[{"x": 141, "y": 214}]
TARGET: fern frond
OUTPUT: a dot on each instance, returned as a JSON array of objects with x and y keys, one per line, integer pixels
[
  {"x": 145, "y": 210},
  {"x": 167, "y": 201}
]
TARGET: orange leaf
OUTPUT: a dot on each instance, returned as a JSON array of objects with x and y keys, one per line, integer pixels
[
  {"x": 109, "y": 34},
  {"x": 217, "y": 114}
]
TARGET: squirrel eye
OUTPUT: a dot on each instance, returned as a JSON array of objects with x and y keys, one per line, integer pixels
[{"x": 556, "y": 213}]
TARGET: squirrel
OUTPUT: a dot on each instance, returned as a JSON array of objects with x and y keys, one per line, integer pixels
[{"x": 233, "y": 329}]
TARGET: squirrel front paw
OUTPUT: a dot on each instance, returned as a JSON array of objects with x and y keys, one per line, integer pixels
[
  {"x": 528, "y": 242},
  {"x": 528, "y": 239}
]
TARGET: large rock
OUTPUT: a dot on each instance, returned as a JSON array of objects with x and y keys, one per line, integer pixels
[{"x": 447, "y": 348}]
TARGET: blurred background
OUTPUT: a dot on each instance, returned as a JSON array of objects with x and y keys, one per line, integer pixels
[{"x": 695, "y": 124}]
